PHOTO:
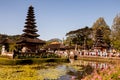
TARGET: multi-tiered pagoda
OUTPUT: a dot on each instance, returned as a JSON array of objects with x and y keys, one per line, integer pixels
[
  {"x": 99, "y": 43},
  {"x": 29, "y": 41}
]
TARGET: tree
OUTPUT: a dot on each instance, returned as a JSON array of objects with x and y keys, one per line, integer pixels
[
  {"x": 115, "y": 34},
  {"x": 101, "y": 24},
  {"x": 80, "y": 36}
]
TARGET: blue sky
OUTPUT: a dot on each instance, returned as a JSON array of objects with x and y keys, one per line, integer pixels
[{"x": 55, "y": 17}]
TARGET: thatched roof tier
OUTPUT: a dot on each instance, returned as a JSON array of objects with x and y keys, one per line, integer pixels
[
  {"x": 29, "y": 40},
  {"x": 32, "y": 22},
  {"x": 30, "y": 35},
  {"x": 27, "y": 30}
]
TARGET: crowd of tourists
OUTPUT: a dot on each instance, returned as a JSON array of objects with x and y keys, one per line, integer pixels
[{"x": 70, "y": 53}]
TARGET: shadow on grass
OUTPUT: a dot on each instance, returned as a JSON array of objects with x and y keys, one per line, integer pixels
[{"x": 24, "y": 62}]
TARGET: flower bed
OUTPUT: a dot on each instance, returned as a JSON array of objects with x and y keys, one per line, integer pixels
[{"x": 111, "y": 73}]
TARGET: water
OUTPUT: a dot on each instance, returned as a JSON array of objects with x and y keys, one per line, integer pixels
[{"x": 72, "y": 71}]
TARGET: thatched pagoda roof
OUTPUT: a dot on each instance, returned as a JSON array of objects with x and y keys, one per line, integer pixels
[{"x": 29, "y": 40}]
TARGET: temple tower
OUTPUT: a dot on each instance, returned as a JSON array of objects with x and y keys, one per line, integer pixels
[
  {"x": 29, "y": 41},
  {"x": 99, "y": 43}
]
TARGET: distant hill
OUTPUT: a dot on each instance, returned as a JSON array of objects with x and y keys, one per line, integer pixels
[{"x": 55, "y": 40}]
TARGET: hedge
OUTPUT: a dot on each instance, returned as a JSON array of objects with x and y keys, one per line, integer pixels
[{"x": 6, "y": 61}]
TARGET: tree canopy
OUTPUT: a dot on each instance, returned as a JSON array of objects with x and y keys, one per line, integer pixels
[
  {"x": 115, "y": 34},
  {"x": 87, "y": 35},
  {"x": 79, "y": 36}
]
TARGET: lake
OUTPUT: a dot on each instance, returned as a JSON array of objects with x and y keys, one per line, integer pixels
[{"x": 76, "y": 70}]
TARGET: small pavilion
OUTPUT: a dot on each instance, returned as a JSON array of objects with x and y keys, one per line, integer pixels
[
  {"x": 55, "y": 46},
  {"x": 6, "y": 43},
  {"x": 6, "y": 47}
]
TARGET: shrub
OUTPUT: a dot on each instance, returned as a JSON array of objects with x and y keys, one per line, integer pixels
[
  {"x": 34, "y": 55},
  {"x": 6, "y": 61}
]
